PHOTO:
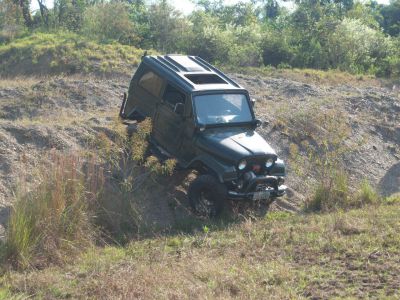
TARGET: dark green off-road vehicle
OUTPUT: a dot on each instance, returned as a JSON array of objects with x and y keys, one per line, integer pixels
[{"x": 205, "y": 120}]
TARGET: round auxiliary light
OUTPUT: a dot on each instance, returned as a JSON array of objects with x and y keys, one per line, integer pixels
[
  {"x": 242, "y": 165},
  {"x": 269, "y": 162}
]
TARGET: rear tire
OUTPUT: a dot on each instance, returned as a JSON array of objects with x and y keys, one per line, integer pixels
[{"x": 207, "y": 196}]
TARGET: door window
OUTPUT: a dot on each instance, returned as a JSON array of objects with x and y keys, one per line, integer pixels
[
  {"x": 173, "y": 96},
  {"x": 152, "y": 83}
]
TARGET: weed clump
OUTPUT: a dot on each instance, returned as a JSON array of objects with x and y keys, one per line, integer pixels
[
  {"x": 139, "y": 141},
  {"x": 393, "y": 199},
  {"x": 330, "y": 194},
  {"x": 54, "y": 220},
  {"x": 140, "y": 151},
  {"x": 334, "y": 193},
  {"x": 366, "y": 195}
]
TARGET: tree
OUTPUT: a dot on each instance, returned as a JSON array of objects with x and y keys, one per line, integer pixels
[
  {"x": 139, "y": 16},
  {"x": 166, "y": 26},
  {"x": 26, "y": 13},
  {"x": 44, "y": 12},
  {"x": 271, "y": 9},
  {"x": 109, "y": 21},
  {"x": 11, "y": 20},
  {"x": 391, "y": 18},
  {"x": 356, "y": 47}
]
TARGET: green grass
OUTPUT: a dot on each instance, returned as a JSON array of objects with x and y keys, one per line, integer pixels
[
  {"x": 333, "y": 193},
  {"x": 351, "y": 254},
  {"x": 46, "y": 53}
]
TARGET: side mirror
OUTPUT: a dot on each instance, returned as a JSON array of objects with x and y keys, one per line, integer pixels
[
  {"x": 179, "y": 109},
  {"x": 253, "y": 102},
  {"x": 257, "y": 123},
  {"x": 201, "y": 127}
]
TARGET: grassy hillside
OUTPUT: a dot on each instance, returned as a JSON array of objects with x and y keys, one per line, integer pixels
[
  {"x": 282, "y": 256},
  {"x": 107, "y": 227},
  {"x": 44, "y": 53}
]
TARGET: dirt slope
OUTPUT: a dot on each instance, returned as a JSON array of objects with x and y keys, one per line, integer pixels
[
  {"x": 66, "y": 113},
  {"x": 372, "y": 115}
]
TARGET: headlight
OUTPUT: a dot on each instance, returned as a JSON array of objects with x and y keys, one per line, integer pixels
[
  {"x": 242, "y": 165},
  {"x": 269, "y": 162}
]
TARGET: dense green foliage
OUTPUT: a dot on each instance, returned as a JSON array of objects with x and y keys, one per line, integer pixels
[{"x": 354, "y": 36}]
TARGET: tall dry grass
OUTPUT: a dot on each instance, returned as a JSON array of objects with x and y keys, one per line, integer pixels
[{"x": 54, "y": 219}]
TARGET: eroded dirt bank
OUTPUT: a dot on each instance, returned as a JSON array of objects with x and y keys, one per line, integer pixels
[{"x": 67, "y": 113}]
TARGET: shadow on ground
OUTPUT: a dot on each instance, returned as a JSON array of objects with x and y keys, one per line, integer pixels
[
  {"x": 390, "y": 183},
  {"x": 160, "y": 208},
  {"x": 4, "y": 215}
]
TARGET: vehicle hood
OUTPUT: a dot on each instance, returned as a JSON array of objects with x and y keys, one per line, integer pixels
[{"x": 233, "y": 144}]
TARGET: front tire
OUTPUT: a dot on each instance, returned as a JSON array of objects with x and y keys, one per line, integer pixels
[{"x": 207, "y": 196}]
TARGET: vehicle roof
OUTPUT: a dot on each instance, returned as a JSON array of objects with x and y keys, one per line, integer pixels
[{"x": 188, "y": 71}]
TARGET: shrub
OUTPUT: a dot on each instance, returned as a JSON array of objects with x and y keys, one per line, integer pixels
[
  {"x": 356, "y": 47},
  {"x": 366, "y": 195},
  {"x": 246, "y": 49},
  {"x": 139, "y": 150},
  {"x": 167, "y": 28},
  {"x": 11, "y": 21},
  {"x": 331, "y": 193},
  {"x": 109, "y": 22},
  {"x": 393, "y": 199},
  {"x": 54, "y": 219},
  {"x": 276, "y": 49},
  {"x": 139, "y": 141}
]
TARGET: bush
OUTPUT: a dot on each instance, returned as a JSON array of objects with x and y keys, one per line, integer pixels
[
  {"x": 139, "y": 148},
  {"x": 167, "y": 28},
  {"x": 109, "y": 22},
  {"x": 224, "y": 44},
  {"x": 54, "y": 220},
  {"x": 332, "y": 193},
  {"x": 356, "y": 47},
  {"x": 246, "y": 50},
  {"x": 366, "y": 195},
  {"x": 276, "y": 49},
  {"x": 207, "y": 39},
  {"x": 11, "y": 21},
  {"x": 393, "y": 199}
]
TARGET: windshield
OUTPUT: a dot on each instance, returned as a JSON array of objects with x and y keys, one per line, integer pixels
[{"x": 222, "y": 108}]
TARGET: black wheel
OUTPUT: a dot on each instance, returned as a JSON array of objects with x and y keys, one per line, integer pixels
[{"x": 207, "y": 196}]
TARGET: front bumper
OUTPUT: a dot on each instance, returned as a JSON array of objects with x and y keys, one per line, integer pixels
[
  {"x": 273, "y": 193},
  {"x": 260, "y": 187}
]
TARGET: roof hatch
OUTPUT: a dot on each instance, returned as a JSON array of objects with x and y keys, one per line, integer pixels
[
  {"x": 205, "y": 79},
  {"x": 185, "y": 63}
]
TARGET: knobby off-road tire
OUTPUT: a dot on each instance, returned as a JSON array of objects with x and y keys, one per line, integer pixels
[{"x": 207, "y": 196}]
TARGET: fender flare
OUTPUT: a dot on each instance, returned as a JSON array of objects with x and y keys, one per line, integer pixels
[{"x": 222, "y": 171}]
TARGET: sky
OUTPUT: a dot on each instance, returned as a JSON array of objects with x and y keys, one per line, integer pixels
[{"x": 185, "y": 6}]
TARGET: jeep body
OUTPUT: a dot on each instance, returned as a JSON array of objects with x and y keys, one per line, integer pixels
[{"x": 205, "y": 120}]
